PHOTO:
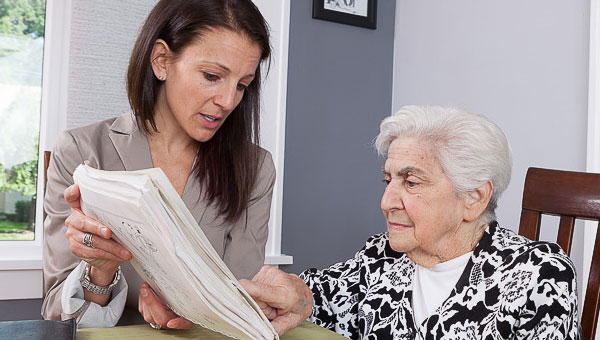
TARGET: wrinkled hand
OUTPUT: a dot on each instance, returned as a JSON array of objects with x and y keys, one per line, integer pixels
[
  {"x": 106, "y": 255},
  {"x": 284, "y": 298},
  {"x": 155, "y": 312}
]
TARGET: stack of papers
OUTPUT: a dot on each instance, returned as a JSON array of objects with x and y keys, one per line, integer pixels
[{"x": 170, "y": 251}]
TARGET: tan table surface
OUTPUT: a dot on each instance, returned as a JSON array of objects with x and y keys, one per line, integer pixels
[{"x": 305, "y": 331}]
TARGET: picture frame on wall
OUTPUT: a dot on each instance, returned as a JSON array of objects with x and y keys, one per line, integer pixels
[{"x": 362, "y": 13}]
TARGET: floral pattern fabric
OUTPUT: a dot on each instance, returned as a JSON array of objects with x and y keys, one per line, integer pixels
[{"x": 511, "y": 288}]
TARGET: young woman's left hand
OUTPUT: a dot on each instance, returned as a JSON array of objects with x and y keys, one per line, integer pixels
[{"x": 156, "y": 313}]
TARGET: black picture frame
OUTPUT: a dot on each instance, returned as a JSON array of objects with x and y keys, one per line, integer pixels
[{"x": 322, "y": 11}]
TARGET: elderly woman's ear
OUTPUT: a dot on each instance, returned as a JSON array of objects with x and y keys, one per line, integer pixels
[{"x": 477, "y": 200}]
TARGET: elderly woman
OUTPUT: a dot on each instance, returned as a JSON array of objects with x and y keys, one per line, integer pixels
[{"x": 445, "y": 269}]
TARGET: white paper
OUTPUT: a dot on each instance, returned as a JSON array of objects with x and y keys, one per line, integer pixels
[{"x": 170, "y": 251}]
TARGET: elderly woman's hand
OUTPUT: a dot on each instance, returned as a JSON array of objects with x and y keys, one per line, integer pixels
[
  {"x": 102, "y": 253},
  {"x": 284, "y": 298},
  {"x": 156, "y": 314}
]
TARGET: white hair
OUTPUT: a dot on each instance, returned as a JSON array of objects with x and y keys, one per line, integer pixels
[{"x": 470, "y": 148}]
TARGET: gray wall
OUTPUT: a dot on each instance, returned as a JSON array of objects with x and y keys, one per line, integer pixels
[
  {"x": 339, "y": 89},
  {"x": 524, "y": 64}
]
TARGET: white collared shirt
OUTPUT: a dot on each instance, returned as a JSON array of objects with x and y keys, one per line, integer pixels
[{"x": 90, "y": 314}]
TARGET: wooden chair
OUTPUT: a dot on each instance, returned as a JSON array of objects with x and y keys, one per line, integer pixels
[
  {"x": 46, "y": 164},
  {"x": 569, "y": 195}
]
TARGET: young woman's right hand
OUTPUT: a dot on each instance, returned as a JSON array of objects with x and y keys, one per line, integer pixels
[{"x": 106, "y": 254}]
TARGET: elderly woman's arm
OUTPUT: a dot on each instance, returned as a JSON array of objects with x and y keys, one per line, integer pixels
[
  {"x": 335, "y": 292},
  {"x": 287, "y": 300},
  {"x": 551, "y": 310}
]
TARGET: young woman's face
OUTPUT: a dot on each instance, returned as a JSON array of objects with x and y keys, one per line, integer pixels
[{"x": 207, "y": 81}]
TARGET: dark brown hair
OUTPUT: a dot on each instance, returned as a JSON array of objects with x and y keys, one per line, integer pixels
[{"x": 228, "y": 163}]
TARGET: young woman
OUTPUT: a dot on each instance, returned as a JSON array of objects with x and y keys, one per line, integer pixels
[{"x": 194, "y": 87}]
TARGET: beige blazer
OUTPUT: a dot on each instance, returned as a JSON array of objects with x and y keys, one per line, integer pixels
[{"x": 118, "y": 144}]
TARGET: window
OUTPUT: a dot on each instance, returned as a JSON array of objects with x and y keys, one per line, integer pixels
[
  {"x": 22, "y": 25},
  {"x": 20, "y": 260}
]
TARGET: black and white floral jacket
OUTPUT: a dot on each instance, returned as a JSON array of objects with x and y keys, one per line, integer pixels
[{"x": 511, "y": 288}]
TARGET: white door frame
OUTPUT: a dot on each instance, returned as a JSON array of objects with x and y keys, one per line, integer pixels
[{"x": 593, "y": 133}]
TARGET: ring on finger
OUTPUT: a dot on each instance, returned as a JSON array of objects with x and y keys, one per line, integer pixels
[
  {"x": 155, "y": 326},
  {"x": 87, "y": 240}
]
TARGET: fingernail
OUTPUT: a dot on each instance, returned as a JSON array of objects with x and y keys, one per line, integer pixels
[
  {"x": 104, "y": 232},
  {"x": 144, "y": 292},
  {"x": 124, "y": 254}
]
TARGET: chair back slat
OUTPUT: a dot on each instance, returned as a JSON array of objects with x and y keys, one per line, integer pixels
[
  {"x": 589, "y": 317},
  {"x": 570, "y": 195},
  {"x": 47, "y": 155},
  {"x": 565, "y": 233},
  {"x": 530, "y": 224}
]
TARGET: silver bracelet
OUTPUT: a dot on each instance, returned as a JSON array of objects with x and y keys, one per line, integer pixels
[{"x": 87, "y": 284}]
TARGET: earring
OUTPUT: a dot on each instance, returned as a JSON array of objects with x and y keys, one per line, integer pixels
[{"x": 161, "y": 77}]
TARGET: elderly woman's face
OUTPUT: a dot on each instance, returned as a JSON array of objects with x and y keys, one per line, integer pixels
[{"x": 420, "y": 205}]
